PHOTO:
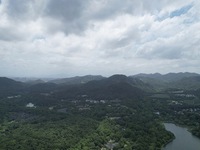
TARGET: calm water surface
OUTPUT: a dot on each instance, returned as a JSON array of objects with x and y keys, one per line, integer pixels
[{"x": 184, "y": 139}]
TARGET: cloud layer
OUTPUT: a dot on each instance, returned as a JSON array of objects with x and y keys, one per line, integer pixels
[{"x": 76, "y": 37}]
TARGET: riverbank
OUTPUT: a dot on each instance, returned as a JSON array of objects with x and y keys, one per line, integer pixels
[
  {"x": 181, "y": 135},
  {"x": 164, "y": 145},
  {"x": 169, "y": 141},
  {"x": 189, "y": 128}
]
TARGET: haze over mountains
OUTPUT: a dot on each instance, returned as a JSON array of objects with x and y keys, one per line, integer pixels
[
  {"x": 171, "y": 80},
  {"x": 83, "y": 79},
  {"x": 115, "y": 86},
  {"x": 168, "y": 77}
]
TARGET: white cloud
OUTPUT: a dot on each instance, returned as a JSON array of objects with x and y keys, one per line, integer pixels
[{"x": 97, "y": 37}]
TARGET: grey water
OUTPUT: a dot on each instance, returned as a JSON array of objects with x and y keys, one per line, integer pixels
[{"x": 184, "y": 139}]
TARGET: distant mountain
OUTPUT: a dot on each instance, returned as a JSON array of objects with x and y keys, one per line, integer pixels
[
  {"x": 154, "y": 75},
  {"x": 9, "y": 86},
  {"x": 116, "y": 86},
  {"x": 170, "y": 80},
  {"x": 77, "y": 79},
  {"x": 6, "y": 83},
  {"x": 21, "y": 79},
  {"x": 33, "y": 82},
  {"x": 168, "y": 77},
  {"x": 179, "y": 76},
  {"x": 30, "y": 79},
  {"x": 132, "y": 81},
  {"x": 41, "y": 87},
  {"x": 187, "y": 83}
]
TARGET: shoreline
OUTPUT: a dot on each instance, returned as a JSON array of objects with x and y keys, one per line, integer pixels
[
  {"x": 174, "y": 137},
  {"x": 164, "y": 145},
  {"x": 189, "y": 129}
]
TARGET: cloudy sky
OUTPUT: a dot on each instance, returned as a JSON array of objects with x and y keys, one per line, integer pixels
[{"x": 62, "y": 38}]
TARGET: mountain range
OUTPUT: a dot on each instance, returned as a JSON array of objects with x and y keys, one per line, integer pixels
[
  {"x": 116, "y": 86},
  {"x": 171, "y": 80}
]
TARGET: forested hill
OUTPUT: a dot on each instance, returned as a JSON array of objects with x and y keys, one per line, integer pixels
[
  {"x": 170, "y": 80},
  {"x": 6, "y": 83},
  {"x": 99, "y": 86},
  {"x": 9, "y": 86},
  {"x": 116, "y": 86},
  {"x": 188, "y": 83},
  {"x": 167, "y": 77}
]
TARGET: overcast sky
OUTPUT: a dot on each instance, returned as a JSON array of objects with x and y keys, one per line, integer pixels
[{"x": 63, "y": 38}]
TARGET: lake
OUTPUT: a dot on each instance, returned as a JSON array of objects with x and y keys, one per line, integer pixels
[{"x": 184, "y": 139}]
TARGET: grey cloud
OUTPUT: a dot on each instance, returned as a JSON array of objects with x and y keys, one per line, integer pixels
[
  {"x": 118, "y": 47},
  {"x": 167, "y": 53},
  {"x": 162, "y": 49},
  {"x": 67, "y": 27},
  {"x": 18, "y": 8},
  {"x": 24, "y": 10},
  {"x": 172, "y": 48},
  {"x": 8, "y": 34},
  {"x": 113, "y": 8},
  {"x": 73, "y": 16},
  {"x": 117, "y": 36},
  {"x": 68, "y": 13},
  {"x": 110, "y": 9},
  {"x": 67, "y": 10},
  {"x": 124, "y": 45},
  {"x": 117, "y": 7},
  {"x": 118, "y": 43}
]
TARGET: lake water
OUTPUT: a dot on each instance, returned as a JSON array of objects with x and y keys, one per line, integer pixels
[{"x": 184, "y": 139}]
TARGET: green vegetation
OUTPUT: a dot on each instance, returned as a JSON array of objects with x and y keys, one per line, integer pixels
[
  {"x": 112, "y": 113},
  {"x": 126, "y": 124},
  {"x": 60, "y": 134}
]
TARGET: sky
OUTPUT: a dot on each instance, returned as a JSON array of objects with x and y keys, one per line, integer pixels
[{"x": 64, "y": 38}]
